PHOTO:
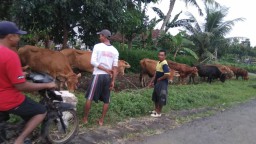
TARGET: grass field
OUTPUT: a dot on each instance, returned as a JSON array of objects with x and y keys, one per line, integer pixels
[{"x": 136, "y": 103}]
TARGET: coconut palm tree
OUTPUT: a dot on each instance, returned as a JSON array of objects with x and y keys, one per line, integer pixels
[
  {"x": 175, "y": 22},
  {"x": 210, "y": 35},
  {"x": 193, "y": 2}
]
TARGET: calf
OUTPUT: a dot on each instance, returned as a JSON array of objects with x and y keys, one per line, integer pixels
[{"x": 183, "y": 69}]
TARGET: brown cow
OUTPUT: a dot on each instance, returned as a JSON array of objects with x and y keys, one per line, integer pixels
[
  {"x": 239, "y": 72},
  {"x": 183, "y": 69},
  {"x": 48, "y": 61},
  {"x": 81, "y": 60},
  {"x": 148, "y": 67}
]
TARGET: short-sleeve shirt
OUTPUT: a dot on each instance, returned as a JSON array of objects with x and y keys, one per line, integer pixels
[
  {"x": 10, "y": 74},
  {"x": 104, "y": 55},
  {"x": 161, "y": 69}
]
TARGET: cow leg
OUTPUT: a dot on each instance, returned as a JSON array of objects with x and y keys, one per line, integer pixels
[{"x": 142, "y": 80}]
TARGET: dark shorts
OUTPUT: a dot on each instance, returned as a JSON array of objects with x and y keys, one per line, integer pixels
[
  {"x": 26, "y": 110},
  {"x": 99, "y": 88},
  {"x": 160, "y": 93}
]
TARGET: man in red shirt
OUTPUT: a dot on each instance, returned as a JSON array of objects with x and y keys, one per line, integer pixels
[{"x": 12, "y": 82}]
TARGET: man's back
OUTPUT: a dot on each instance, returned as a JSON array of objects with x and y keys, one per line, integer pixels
[
  {"x": 10, "y": 74},
  {"x": 106, "y": 56}
]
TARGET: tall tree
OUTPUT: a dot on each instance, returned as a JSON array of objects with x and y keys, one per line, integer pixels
[
  {"x": 193, "y": 2},
  {"x": 211, "y": 34},
  {"x": 58, "y": 18}
]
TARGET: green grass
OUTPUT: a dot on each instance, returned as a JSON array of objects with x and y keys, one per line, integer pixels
[{"x": 136, "y": 103}]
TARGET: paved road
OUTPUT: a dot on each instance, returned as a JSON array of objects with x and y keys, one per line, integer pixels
[{"x": 234, "y": 126}]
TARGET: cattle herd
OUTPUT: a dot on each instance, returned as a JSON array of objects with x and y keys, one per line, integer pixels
[
  {"x": 60, "y": 65},
  {"x": 183, "y": 71}
]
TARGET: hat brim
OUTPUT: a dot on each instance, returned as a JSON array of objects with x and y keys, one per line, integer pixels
[
  {"x": 98, "y": 33},
  {"x": 21, "y": 32}
]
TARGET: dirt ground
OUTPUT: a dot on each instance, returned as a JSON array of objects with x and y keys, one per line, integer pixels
[
  {"x": 133, "y": 129},
  {"x": 128, "y": 81}
]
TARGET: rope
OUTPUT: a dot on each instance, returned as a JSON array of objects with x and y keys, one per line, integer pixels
[{"x": 130, "y": 82}]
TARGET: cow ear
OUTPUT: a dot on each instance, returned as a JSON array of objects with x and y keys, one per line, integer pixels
[{"x": 79, "y": 75}]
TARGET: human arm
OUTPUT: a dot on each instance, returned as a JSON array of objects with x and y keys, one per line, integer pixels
[
  {"x": 114, "y": 71},
  {"x": 152, "y": 80},
  {"x": 28, "y": 86},
  {"x": 166, "y": 73},
  {"x": 113, "y": 77}
]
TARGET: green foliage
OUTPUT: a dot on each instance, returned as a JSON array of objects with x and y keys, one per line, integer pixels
[{"x": 248, "y": 67}]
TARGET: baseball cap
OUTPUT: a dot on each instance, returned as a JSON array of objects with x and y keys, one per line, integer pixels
[
  {"x": 7, "y": 27},
  {"x": 105, "y": 33}
]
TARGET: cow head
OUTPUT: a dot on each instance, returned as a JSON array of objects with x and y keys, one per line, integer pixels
[
  {"x": 71, "y": 81},
  {"x": 122, "y": 65},
  {"x": 222, "y": 77},
  {"x": 195, "y": 71}
]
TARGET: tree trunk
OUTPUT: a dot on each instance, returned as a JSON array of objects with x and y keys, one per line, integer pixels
[
  {"x": 175, "y": 54},
  {"x": 216, "y": 54},
  {"x": 65, "y": 37},
  {"x": 168, "y": 15},
  {"x": 129, "y": 44}
]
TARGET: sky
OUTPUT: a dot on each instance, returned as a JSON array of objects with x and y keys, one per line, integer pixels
[{"x": 245, "y": 10}]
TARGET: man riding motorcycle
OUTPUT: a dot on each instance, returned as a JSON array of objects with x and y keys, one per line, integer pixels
[{"x": 13, "y": 82}]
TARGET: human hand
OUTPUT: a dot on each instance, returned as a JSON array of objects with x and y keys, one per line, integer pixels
[
  {"x": 51, "y": 85},
  {"x": 24, "y": 73},
  {"x": 112, "y": 84},
  {"x": 151, "y": 84}
]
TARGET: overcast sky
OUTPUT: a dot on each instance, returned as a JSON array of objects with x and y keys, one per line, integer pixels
[{"x": 237, "y": 9}]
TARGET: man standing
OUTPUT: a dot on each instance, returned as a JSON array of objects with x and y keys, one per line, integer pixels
[
  {"x": 105, "y": 61},
  {"x": 12, "y": 82},
  {"x": 160, "y": 81}
]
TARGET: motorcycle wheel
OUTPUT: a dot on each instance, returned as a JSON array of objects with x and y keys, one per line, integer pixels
[{"x": 53, "y": 131}]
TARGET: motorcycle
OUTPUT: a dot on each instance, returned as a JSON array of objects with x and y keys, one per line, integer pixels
[{"x": 60, "y": 124}]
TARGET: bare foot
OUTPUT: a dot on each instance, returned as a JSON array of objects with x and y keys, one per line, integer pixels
[
  {"x": 100, "y": 122},
  {"x": 85, "y": 121}
]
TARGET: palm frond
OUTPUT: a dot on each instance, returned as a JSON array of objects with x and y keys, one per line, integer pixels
[
  {"x": 159, "y": 13},
  {"x": 194, "y": 3},
  {"x": 175, "y": 18},
  {"x": 190, "y": 52},
  {"x": 196, "y": 23}
]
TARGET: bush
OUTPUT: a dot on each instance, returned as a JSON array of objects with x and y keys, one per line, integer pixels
[{"x": 134, "y": 56}]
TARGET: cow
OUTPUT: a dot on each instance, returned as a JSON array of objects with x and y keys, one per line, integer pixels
[
  {"x": 82, "y": 60},
  {"x": 211, "y": 72},
  {"x": 224, "y": 69},
  {"x": 52, "y": 62},
  {"x": 239, "y": 72},
  {"x": 148, "y": 68},
  {"x": 183, "y": 69}
]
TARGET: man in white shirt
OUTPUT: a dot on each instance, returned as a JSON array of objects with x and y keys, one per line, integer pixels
[{"x": 105, "y": 61}]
